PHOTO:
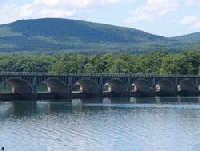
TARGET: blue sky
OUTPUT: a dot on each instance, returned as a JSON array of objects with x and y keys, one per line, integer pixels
[{"x": 161, "y": 17}]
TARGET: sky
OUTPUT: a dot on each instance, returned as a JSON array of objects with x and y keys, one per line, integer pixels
[{"x": 161, "y": 17}]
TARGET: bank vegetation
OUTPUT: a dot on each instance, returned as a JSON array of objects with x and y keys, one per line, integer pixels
[{"x": 150, "y": 63}]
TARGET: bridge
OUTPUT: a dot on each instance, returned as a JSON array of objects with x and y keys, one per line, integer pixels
[{"x": 24, "y": 85}]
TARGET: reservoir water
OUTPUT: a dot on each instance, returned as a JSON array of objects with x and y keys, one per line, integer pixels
[{"x": 109, "y": 124}]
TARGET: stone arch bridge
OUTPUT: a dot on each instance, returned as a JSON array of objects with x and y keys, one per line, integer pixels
[{"x": 24, "y": 85}]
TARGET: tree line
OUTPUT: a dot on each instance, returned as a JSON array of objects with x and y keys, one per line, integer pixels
[{"x": 161, "y": 63}]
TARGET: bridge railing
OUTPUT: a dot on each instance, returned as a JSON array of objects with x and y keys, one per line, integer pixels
[{"x": 92, "y": 74}]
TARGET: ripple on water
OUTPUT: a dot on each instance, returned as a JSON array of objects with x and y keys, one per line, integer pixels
[{"x": 102, "y": 126}]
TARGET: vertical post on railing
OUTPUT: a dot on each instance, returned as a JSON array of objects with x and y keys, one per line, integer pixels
[
  {"x": 101, "y": 85},
  {"x": 34, "y": 87},
  {"x": 69, "y": 85}
]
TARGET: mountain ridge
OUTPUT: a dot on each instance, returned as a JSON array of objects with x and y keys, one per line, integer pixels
[{"x": 65, "y": 35}]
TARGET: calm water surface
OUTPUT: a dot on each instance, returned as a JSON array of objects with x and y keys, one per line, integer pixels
[{"x": 125, "y": 124}]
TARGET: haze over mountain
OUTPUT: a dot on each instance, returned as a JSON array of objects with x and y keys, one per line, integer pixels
[{"x": 63, "y": 35}]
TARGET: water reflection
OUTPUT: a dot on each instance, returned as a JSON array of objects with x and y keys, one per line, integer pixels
[
  {"x": 59, "y": 107},
  {"x": 43, "y": 108},
  {"x": 119, "y": 100},
  {"x": 141, "y": 100},
  {"x": 28, "y": 108},
  {"x": 24, "y": 108},
  {"x": 5, "y": 110},
  {"x": 163, "y": 100},
  {"x": 77, "y": 105},
  {"x": 107, "y": 101},
  {"x": 170, "y": 123}
]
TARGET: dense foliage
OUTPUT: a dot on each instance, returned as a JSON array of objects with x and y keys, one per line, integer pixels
[{"x": 154, "y": 63}]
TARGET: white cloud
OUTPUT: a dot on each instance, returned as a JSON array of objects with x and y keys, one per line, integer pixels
[
  {"x": 192, "y": 2},
  {"x": 78, "y": 3},
  {"x": 105, "y": 2},
  {"x": 153, "y": 9},
  {"x": 25, "y": 10},
  {"x": 53, "y": 13},
  {"x": 51, "y": 8},
  {"x": 66, "y": 3},
  {"x": 7, "y": 15},
  {"x": 29, "y": 11},
  {"x": 191, "y": 21},
  {"x": 161, "y": 7},
  {"x": 139, "y": 15}
]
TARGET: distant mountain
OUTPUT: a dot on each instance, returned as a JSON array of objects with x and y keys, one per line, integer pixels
[
  {"x": 63, "y": 35},
  {"x": 190, "y": 38},
  {"x": 188, "y": 42}
]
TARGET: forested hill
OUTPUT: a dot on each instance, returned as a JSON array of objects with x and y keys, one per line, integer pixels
[
  {"x": 190, "y": 38},
  {"x": 63, "y": 35}
]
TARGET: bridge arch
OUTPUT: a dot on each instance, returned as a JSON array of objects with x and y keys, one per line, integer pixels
[
  {"x": 19, "y": 86},
  {"x": 88, "y": 87},
  {"x": 116, "y": 86},
  {"x": 56, "y": 87},
  {"x": 187, "y": 87},
  {"x": 20, "y": 89},
  {"x": 165, "y": 87},
  {"x": 142, "y": 87}
]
